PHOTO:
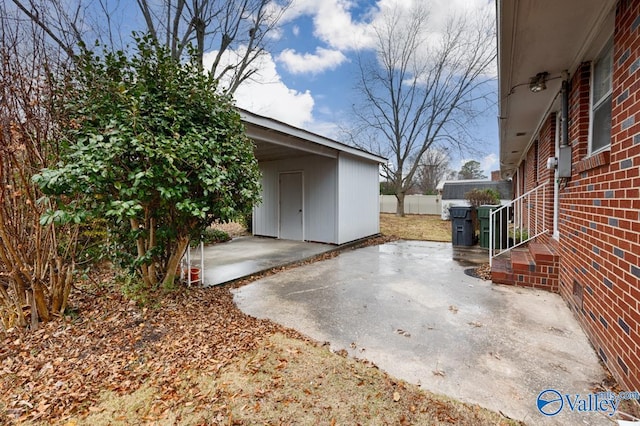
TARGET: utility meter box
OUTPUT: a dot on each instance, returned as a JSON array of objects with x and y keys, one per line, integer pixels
[{"x": 564, "y": 162}]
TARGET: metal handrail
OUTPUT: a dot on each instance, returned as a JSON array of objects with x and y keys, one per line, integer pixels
[{"x": 528, "y": 213}]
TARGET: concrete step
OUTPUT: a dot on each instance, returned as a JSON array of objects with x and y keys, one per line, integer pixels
[
  {"x": 522, "y": 262},
  {"x": 501, "y": 272},
  {"x": 533, "y": 266},
  {"x": 544, "y": 254}
]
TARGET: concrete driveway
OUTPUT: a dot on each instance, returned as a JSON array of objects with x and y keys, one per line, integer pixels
[
  {"x": 411, "y": 309},
  {"x": 245, "y": 256}
]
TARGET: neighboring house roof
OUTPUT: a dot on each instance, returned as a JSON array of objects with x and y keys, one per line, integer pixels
[
  {"x": 536, "y": 36},
  {"x": 456, "y": 190},
  {"x": 276, "y": 140}
]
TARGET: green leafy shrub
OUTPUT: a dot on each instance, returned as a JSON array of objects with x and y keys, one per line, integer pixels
[
  {"x": 247, "y": 221},
  {"x": 154, "y": 150},
  {"x": 519, "y": 235}
]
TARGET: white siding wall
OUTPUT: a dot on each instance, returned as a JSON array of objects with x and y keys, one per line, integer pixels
[
  {"x": 265, "y": 214},
  {"x": 319, "y": 197},
  {"x": 359, "y": 203}
]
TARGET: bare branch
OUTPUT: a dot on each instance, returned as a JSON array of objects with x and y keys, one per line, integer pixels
[
  {"x": 35, "y": 16},
  {"x": 419, "y": 93},
  {"x": 33, "y": 271},
  {"x": 148, "y": 18}
]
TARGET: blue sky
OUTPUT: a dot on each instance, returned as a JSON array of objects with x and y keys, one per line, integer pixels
[{"x": 308, "y": 77}]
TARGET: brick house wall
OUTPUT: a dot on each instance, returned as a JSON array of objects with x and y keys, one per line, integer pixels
[
  {"x": 529, "y": 178},
  {"x": 534, "y": 172},
  {"x": 546, "y": 149},
  {"x": 599, "y": 214}
]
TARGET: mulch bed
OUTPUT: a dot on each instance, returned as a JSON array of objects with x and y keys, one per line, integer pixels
[{"x": 483, "y": 272}]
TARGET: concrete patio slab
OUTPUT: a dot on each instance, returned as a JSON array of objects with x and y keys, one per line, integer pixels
[
  {"x": 410, "y": 308},
  {"x": 246, "y": 256}
]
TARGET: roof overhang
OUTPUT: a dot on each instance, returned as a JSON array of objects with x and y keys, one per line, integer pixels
[
  {"x": 276, "y": 140},
  {"x": 537, "y": 36}
]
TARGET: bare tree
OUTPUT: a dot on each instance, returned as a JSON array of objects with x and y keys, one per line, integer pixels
[
  {"x": 432, "y": 169},
  {"x": 61, "y": 21},
  {"x": 236, "y": 31},
  {"x": 417, "y": 92},
  {"x": 37, "y": 261}
]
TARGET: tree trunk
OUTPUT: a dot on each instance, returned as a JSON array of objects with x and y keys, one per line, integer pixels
[
  {"x": 174, "y": 260},
  {"x": 400, "y": 204},
  {"x": 144, "y": 268},
  {"x": 40, "y": 298}
]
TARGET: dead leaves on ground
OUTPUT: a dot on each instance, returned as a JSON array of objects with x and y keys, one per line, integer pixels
[
  {"x": 484, "y": 272},
  {"x": 60, "y": 370},
  {"x": 111, "y": 348}
]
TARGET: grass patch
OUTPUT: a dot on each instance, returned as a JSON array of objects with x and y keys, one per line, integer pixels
[
  {"x": 232, "y": 229},
  {"x": 290, "y": 381},
  {"x": 416, "y": 227}
]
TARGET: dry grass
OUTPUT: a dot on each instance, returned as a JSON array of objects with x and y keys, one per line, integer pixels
[
  {"x": 259, "y": 373},
  {"x": 416, "y": 227},
  {"x": 193, "y": 358},
  {"x": 410, "y": 227},
  {"x": 290, "y": 381},
  {"x": 233, "y": 229}
]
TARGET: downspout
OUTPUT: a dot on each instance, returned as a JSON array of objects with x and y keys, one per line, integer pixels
[
  {"x": 563, "y": 149},
  {"x": 564, "y": 135}
]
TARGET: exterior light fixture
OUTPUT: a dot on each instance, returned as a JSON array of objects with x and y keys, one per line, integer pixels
[{"x": 539, "y": 82}]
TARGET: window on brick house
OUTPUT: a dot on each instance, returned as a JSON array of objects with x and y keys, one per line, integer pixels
[{"x": 601, "y": 88}]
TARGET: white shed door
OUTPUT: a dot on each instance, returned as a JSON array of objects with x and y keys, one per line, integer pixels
[{"x": 291, "y": 200}]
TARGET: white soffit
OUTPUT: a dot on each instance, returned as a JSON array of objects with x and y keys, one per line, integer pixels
[
  {"x": 537, "y": 36},
  {"x": 275, "y": 140}
]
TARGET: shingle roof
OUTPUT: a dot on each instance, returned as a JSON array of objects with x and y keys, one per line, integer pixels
[{"x": 457, "y": 190}]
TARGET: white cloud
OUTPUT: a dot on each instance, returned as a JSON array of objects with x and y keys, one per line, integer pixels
[
  {"x": 489, "y": 163},
  {"x": 339, "y": 32},
  {"x": 322, "y": 60},
  {"x": 333, "y": 23},
  {"x": 335, "y": 26},
  {"x": 266, "y": 94},
  {"x": 327, "y": 129}
]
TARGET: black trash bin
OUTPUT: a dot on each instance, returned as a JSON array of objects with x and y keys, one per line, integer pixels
[
  {"x": 462, "y": 233},
  {"x": 500, "y": 227}
]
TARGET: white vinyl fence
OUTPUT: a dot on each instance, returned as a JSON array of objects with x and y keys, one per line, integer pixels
[{"x": 413, "y": 204}]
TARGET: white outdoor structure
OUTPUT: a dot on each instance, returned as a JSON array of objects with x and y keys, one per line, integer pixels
[
  {"x": 313, "y": 188},
  {"x": 453, "y": 192}
]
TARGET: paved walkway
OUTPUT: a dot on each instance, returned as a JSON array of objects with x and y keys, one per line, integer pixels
[{"x": 411, "y": 309}]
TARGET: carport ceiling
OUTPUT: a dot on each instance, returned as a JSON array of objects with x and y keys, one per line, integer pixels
[
  {"x": 275, "y": 140},
  {"x": 272, "y": 145},
  {"x": 265, "y": 151}
]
